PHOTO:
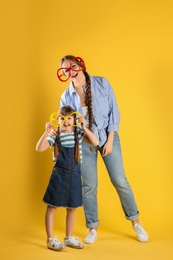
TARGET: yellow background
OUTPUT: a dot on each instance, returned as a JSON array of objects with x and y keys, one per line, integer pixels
[{"x": 128, "y": 42}]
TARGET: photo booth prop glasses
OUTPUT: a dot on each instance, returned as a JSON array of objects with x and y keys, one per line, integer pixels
[
  {"x": 64, "y": 74},
  {"x": 55, "y": 116}
]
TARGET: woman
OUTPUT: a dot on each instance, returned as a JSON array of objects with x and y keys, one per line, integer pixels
[{"x": 94, "y": 98}]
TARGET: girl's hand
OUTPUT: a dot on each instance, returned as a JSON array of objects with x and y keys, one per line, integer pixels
[
  {"x": 82, "y": 121},
  {"x": 53, "y": 132},
  {"x": 48, "y": 126},
  {"x": 107, "y": 149}
]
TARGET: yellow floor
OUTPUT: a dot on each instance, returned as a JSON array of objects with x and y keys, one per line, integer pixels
[{"x": 112, "y": 244}]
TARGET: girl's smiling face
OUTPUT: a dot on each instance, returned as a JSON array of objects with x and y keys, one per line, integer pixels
[{"x": 66, "y": 123}]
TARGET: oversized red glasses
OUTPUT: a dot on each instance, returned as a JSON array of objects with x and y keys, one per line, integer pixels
[{"x": 77, "y": 64}]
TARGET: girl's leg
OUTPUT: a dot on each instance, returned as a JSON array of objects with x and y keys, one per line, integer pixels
[
  {"x": 49, "y": 221},
  {"x": 70, "y": 219},
  {"x": 69, "y": 240}
]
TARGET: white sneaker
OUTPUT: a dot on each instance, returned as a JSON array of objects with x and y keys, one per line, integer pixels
[
  {"x": 54, "y": 244},
  {"x": 73, "y": 242},
  {"x": 92, "y": 237},
  {"x": 140, "y": 232}
]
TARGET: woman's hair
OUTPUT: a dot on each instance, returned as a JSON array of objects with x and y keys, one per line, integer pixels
[
  {"x": 65, "y": 111},
  {"x": 88, "y": 95}
]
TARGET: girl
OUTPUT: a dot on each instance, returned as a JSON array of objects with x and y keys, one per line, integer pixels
[
  {"x": 94, "y": 98},
  {"x": 64, "y": 188}
]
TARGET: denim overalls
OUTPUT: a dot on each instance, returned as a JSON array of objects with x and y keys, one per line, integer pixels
[{"x": 65, "y": 186}]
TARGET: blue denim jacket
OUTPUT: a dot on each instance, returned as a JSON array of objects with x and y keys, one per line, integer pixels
[{"x": 105, "y": 109}]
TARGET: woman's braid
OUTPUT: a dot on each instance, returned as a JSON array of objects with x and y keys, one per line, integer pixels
[{"x": 88, "y": 99}]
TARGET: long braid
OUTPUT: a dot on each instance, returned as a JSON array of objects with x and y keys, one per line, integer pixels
[
  {"x": 77, "y": 150},
  {"x": 56, "y": 148},
  {"x": 88, "y": 99}
]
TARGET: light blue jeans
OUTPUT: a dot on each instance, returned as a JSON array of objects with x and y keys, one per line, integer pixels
[{"x": 114, "y": 165}]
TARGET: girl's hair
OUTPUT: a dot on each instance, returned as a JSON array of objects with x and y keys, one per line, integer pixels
[
  {"x": 88, "y": 95},
  {"x": 65, "y": 111}
]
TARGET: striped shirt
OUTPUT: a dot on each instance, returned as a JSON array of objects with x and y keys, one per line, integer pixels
[{"x": 68, "y": 140}]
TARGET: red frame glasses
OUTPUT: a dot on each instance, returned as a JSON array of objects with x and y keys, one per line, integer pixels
[{"x": 60, "y": 71}]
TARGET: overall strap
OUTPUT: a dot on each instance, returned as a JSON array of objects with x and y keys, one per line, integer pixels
[{"x": 59, "y": 143}]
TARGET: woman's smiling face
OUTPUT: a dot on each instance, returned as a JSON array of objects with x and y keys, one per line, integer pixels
[{"x": 70, "y": 68}]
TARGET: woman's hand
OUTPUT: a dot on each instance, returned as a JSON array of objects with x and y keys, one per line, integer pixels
[{"x": 107, "y": 149}]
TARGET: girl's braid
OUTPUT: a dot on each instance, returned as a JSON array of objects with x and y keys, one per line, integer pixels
[
  {"x": 56, "y": 148},
  {"x": 77, "y": 150}
]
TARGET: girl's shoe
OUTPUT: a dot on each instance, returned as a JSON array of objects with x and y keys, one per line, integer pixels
[
  {"x": 54, "y": 244},
  {"x": 73, "y": 242}
]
